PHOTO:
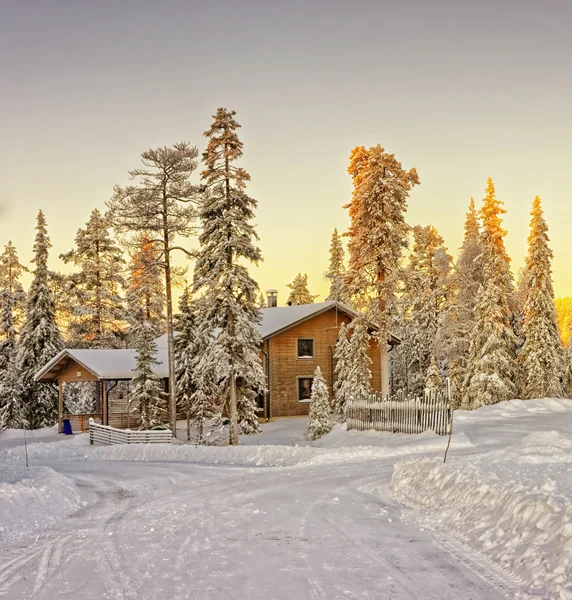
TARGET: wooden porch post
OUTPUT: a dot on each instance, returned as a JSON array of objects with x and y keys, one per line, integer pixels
[
  {"x": 60, "y": 406},
  {"x": 104, "y": 408}
]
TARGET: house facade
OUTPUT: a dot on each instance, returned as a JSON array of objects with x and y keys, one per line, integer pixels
[{"x": 295, "y": 340}]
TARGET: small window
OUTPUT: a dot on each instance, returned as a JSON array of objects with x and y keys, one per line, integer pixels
[
  {"x": 304, "y": 388},
  {"x": 305, "y": 348}
]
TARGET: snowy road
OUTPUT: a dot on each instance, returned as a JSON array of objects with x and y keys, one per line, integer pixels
[{"x": 183, "y": 531}]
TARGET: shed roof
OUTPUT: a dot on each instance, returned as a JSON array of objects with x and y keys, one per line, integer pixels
[{"x": 103, "y": 363}]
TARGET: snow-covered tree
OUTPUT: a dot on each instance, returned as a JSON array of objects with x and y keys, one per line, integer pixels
[
  {"x": 147, "y": 395},
  {"x": 377, "y": 235},
  {"x": 342, "y": 369},
  {"x": 145, "y": 295},
  {"x": 454, "y": 335},
  {"x": 97, "y": 313},
  {"x": 336, "y": 270},
  {"x": 299, "y": 292},
  {"x": 160, "y": 205},
  {"x": 10, "y": 273},
  {"x": 11, "y": 410},
  {"x": 425, "y": 294},
  {"x": 79, "y": 397},
  {"x": 569, "y": 368},
  {"x": 320, "y": 422},
  {"x": 230, "y": 306},
  {"x": 491, "y": 367},
  {"x": 564, "y": 313},
  {"x": 196, "y": 380},
  {"x": 40, "y": 338},
  {"x": 542, "y": 355},
  {"x": 433, "y": 378}
]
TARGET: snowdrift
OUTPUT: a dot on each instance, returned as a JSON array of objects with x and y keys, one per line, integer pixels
[
  {"x": 33, "y": 499},
  {"x": 79, "y": 449},
  {"x": 526, "y": 530}
]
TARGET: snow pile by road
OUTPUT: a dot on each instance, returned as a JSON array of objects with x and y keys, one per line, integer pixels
[
  {"x": 35, "y": 434},
  {"x": 540, "y": 447},
  {"x": 526, "y": 530},
  {"x": 78, "y": 449},
  {"x": 33, "y": 499}
]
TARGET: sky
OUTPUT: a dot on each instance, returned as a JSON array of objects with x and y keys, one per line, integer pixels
[{"x": 460, "y": 90}]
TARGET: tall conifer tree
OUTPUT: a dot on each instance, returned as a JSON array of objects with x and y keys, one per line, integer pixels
[
  {"x": 336, "y": 270},
  {"x": 377, "y": 234},
  {"x": 299, "y": 292},
  {"x": 97, "y": 314},
  {"x": 230, "y": 305},
  {"x": 10, "y": 273},
  {"x": 491, "y": 367},
  {"x": 542, "y": 355},
  {"x": 320, "y": 421},
  {"x": 40, "y": 338}
]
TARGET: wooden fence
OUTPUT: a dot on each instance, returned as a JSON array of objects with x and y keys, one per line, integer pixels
[
  {"x": 401, "y": 413},
  {"x": 104, "y": 434}
]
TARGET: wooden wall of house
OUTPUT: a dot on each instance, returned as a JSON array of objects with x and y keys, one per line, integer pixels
[
  {"x": 286, "y": 367},
  {"x": 73, "y": 371}
]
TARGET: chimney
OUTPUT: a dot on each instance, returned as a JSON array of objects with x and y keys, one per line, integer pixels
[{"x": 272, "y": 296}]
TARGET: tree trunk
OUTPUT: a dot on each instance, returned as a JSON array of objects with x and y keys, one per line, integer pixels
[
  {"x": 383, "y": 357},
  {"x": 170, "y": 332},
  {"x": 232, "y": 403}
]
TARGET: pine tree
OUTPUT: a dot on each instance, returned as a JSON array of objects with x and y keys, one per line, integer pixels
[
  {"x": 299, "y": 292},
  {"x": 455, "y": 332},
  {"x": 230, "y": 294},
  {"x": 491, "y": 367},
  {"x": 433, "y": 378},
  {"x": 426, "y": 293},
  {"x": 145, "y": 288},
  {"x": 320, "y": 422},
  {"x": 542, "y": 355},
  {"x": 11, "y": 413},
  {"x": 10, "y": 273},
  {"x": 342, "y": 359},
  {"x": 160, "y": 205},
  {"x": 40, "y": 338},
  {"x": 337, "y": 270},
  {"x": 147, "y": 395},
  {"x": 377, "y": 235},
  {"x": 196, "y": 380},
  {"x": 97, "y": 311},
  {"x": 564, "y": 313},
  {"x": 569, "y": 368}
]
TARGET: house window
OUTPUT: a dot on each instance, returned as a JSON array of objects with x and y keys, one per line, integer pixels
[
  {"x": 305, "y": 348},
  {"x": 304, "y": 388}
]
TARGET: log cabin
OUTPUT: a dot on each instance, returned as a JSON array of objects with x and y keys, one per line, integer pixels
[{"x": 295, "y": 340}]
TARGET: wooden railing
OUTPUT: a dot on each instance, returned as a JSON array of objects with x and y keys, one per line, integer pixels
[
  {"x": 104, "y": 434},
  {"x": 401, "y": 413}
]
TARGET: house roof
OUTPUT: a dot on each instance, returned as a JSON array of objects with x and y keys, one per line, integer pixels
[
  {"x": 103, "y": 363},
  {"x": 277, "y": 319}
]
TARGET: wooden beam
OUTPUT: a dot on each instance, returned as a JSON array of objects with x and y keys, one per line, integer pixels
[
  {"x": 60, "y": 407},
  {"x": 104, "y": 408}
]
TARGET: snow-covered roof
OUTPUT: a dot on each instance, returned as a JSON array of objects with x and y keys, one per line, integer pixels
[
  {"x": 279, "y": 318},
  {"x": 103, "y": 363}
]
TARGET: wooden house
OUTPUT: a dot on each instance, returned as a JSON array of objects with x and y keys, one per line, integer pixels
[{"x": 295, "y": 340}]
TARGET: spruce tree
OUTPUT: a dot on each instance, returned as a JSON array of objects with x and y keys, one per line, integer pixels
[
  {"x": 320, "y": 422},
  {"x": 97, "y": 313},
  {"x": 542, "y": 355},
  {"x": 342, "y": 359},
  {"x": 40, "y": 338},
  {"x": 377, "y": 235},
  {"x": 11, "y": 413},
  {"x": 147, "y": 395},
  {"x": 230, "y": 306},
  {"x": 569, "y": 368},
  {"x": 145, "y": 288},
  {"x": 10, "y": 273},
  {"x": 336, "y": 270},
  {"x": 491, "y": 367},
  {"x": 299, "y": 292},
  {"x": 454, "y": 336},
  {"x": 426, "y": 293},
  {"x": 433, "y": 378},
  {"x": 160, "y": 204}
]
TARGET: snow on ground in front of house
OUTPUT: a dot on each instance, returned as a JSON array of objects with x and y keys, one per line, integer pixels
[
  {"x": 512, "y": 504},
  {"x": 32, "y": 499},
  {"x": 354, "y": 515}
]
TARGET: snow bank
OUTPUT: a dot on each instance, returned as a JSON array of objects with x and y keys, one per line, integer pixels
[
  {"x": 78, "y": 449},
  {"x": 527, "y": 530},
  {"x": 33, "y": 499},
  {"x": 34, "y": 434},
  {"x": 540, "y": 447}
]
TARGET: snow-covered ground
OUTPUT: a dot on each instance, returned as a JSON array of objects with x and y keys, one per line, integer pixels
[{"x": 354, "y": 515}]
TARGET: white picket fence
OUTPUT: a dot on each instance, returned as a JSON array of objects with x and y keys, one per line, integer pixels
[
  {"x": 104, "y": 434},
  {"x": 401, "y": 413}
]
